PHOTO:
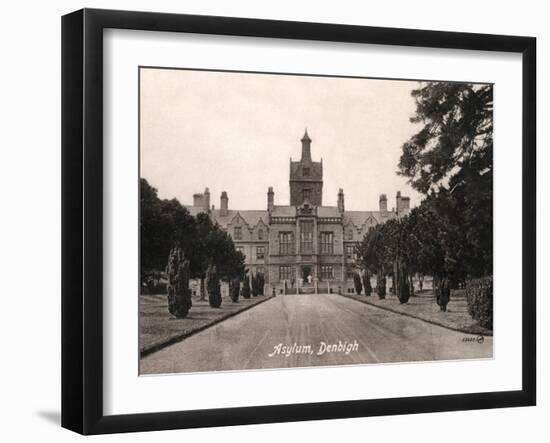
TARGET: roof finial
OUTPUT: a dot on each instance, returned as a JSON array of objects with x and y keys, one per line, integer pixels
[{"x": 306, "y": 147}]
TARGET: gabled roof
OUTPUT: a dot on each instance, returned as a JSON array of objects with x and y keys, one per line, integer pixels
[
  {"x": 359, "y": 218},
  {"x": 251, "y": 217}
]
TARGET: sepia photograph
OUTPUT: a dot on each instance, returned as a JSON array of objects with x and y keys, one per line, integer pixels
[{"x": 297, "y": 220}]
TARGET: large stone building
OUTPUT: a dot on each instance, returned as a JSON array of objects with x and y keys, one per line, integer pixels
[{"x": 304, "y": 246}]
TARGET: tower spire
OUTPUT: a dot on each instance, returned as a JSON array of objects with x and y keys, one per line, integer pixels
[{"x": 306, "y": 147}]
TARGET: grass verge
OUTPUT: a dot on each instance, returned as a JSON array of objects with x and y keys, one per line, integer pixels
[
  {"x": 158, "y": 328},
  {"x": 423, "y": 307}
]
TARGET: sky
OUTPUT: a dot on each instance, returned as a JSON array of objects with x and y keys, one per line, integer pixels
[{"x": 236, "y": 132}]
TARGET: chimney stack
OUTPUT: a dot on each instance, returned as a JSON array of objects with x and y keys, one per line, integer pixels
[
  {"x": 224, "y": 204},
  {"x": 383, "y": 203},
  {"x": 270, "y": 199},
  {"x": 341, "y": 200},
  {"x": 198, "y": 200},
  {"x": 207, "y": 200}
]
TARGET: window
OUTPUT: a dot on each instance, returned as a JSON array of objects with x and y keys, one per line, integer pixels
[
  {"x": 306, "y": 237},
  {"x": 237, "y": 233},
  {"x": 327, "y": 272},
  {"x": 260, "y": 234},
  {"x": 260, "y": 252},
  {"x": 350, "y": 252},
  {"x": 260, "y": 270},
  {"x": 306, "y": 194},
  {"x": 285, "y": 243},
  {"x": 350, "y": 272},
  {"x": 306, "y": 172},
  {"x": 327, "y": 243},
  {"x": 349, "y": 234},
  {"x": 285, "y": 272}
]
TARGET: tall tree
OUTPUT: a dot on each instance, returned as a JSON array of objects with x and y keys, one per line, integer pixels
[
  {"x": 450, "y": 160},
  {"x": 179, "y": 295},
  {"x": 456, "y": 138},
  {"x": 213, "y": 284},
  {"x": 153, "y": 246},
  {"x": 357, "y": 283},
  {"x": 163, "y": 223},
  {"x": 246, "y": 286},
  {"x": 375, "y": 253}
]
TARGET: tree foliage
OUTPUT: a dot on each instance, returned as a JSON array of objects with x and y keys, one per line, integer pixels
[
  {"x": 456, "y": 138},
  {"x": 254, "y": 285},
  {"x": 357, "y": 283},
  {"x": 246, "y": 287},
  {"x": 164, "y": 223},
  {"x": 179, "y": 294},
  {"x": 450, "y": 160},
  {"x": 366, "y": 283},
  {"x": 260, "y": 281},
  {"x": 234, "y": 289},
  {"x": 213, "y": 287}
]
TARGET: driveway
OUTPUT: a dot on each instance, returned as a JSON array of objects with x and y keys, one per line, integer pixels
[{"x": 314, "y": 330}]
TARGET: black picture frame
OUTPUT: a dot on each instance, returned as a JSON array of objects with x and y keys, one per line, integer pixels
[{"x": 82, "y": 218}]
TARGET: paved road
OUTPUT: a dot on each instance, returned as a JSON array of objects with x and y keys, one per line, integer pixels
[{"x": 289, "y": 331}]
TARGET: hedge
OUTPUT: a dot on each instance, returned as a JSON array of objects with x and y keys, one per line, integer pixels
[{"x": 479, "y": 293}]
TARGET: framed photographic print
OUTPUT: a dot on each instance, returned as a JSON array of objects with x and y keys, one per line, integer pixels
[{"x": 269, "y": 221}]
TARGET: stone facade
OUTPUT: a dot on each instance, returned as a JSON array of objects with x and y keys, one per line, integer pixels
[{"x": 303, "y": 246}]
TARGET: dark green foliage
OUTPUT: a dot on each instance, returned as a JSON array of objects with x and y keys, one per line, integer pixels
[
  {"x": 429, "y": 241},
  {"x": 164, "y": 223},
  {"x": 246, "y": 287},
  {"x": 254, "y": 285},
  {"x": 366, "y": 283},
  {"x": 381, "y": 286},
  {"x": 234, "y": 289},
  {"x": 261, "y": 283},
  {"x": 215, "y": 246},
  {"x": 374, "y": 251},
  {"x": 179, "y": 294},
  {"x": 479, "y": 293},
  {"x": 450, "y": 160},
  {"x": 456, "y": 135},
  {"x": 213, "y": 287},
  {"x": 403, "y": 289},
  {"x": 357, "y": 283},
  {"x": 442, "y": 292}
]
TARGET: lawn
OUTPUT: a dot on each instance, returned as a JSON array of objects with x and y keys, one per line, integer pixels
[
  {"x": 158, "y": 328},
  {"x": 424, "y": 307}
]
